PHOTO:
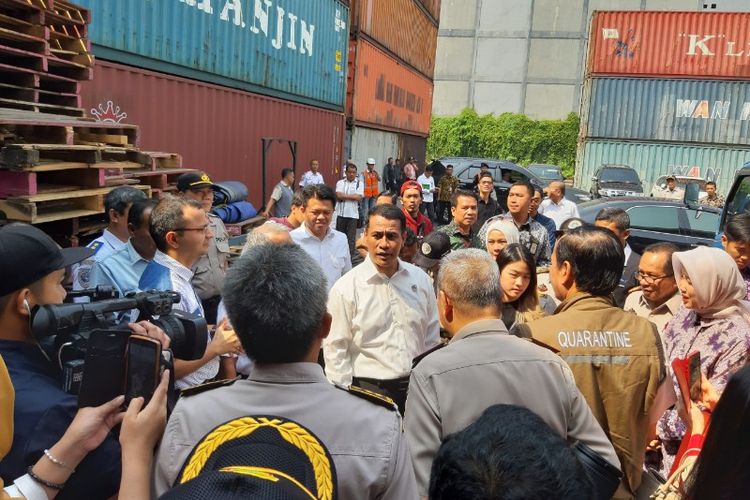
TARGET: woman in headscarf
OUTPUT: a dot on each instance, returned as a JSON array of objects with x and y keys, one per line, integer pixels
[
  {"x": 499, "y": 234},
  {"x": 714, "y": 320}
]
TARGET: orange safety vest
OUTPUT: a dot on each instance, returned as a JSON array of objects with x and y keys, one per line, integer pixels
[{"x": 371, "y": 184}]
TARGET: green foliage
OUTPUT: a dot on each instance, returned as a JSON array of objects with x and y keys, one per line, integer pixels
[{"x": 510, "y": 136}]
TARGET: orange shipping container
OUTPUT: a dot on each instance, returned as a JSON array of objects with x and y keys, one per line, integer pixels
[
  {"x": 433, "y": 7},
  {"x": 385, "y": 93},
  {"x": 402, "y": 27},
  {"x": 663, "y": 44}
]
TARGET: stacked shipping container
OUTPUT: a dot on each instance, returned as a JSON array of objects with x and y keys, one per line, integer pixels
[
  {"x": 389, "y": 82},
  {"x": 676, "y": 84}
]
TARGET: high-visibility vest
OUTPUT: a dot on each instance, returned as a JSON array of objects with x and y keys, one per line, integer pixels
[{"x": 371, "y": 184}]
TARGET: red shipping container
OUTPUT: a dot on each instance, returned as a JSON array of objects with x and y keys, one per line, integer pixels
[
  {"x": 692, "y": 44},
  {"x": 214, "y": 128},
  {"x": 384, "y": 93},
  {"x": 402, "y": 27}
]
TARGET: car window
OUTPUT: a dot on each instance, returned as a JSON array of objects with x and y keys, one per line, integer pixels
[
  {"x": 663, "y": 219},
  {"x": 619, "y": 175},
  {"x": 702, "y": 224},
  {"x": 546, "y": 172},
  {"x": 467, "y": 174},
  {"x": 740, "y": 201},
  {"x": 513, "y": 176}
]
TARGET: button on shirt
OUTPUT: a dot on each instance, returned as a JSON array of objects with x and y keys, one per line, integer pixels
[
  {"x": 103, "y": 246},
  {"x": 165, "y": 273},
  {"x": 348, "y": 208},
  {"x": 331, "y": 253},
  {"x": 121, "y": 270},
  {"x": 379, "y": 324},
  {"x": 310, "y": 178},
  {"x": 559, "y": 212}
]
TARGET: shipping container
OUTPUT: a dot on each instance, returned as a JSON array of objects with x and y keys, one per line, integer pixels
[
  {"x": 652, "y": 160},
  {"x": 704, "y": 111},
  {"x": 401, "y": 27},
  {"x": 413, "y": 146},
  {"x": 293, "y": 49},
  {"x": 384, "y": 93},
  {"x": 371, "y": 143},
  {"x": 433, "y": 7},
  {"x": 217, "y": 129},
  {"x": 697, "y": 44}
]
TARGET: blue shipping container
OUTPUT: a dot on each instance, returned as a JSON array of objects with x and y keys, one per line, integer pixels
[
  {"x": 292, "y": 49},
  {"x": 646, "y": 109},
  {"x": 652, "y": 160}
]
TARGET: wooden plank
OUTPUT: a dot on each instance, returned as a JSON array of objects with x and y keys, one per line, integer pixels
[
  {"x": 50, "y": 166},
  {"x": 24, "y": 41},
  {"x": 35, "y": 106},
  {"x": 67, "y": 195},
  {"x": 22, "y": 58},
  {"x": 68, "y": 69},
  {"x": 122, "y": 140},
  {"x": 22, "y": 27}
]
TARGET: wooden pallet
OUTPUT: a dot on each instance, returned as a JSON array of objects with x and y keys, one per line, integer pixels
[
  {"x": 29, "y": 183},
  {"x": 164, "y": 180}
]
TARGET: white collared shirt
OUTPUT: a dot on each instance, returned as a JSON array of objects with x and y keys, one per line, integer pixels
[
  {"x": 309, "y": 178},
  {"x": 627, "y": 250},
  {"x": 380, "y": 324},
  {"x": 331, "y": 253},
  {"x": 348, "y": 208},
  {"x": 558, "y": 212}
]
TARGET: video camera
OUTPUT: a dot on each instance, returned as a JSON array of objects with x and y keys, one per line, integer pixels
[{"x": 100, "y": 357}]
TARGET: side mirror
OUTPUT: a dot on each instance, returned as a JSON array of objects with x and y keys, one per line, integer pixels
[{"x": 692, "y": 192}]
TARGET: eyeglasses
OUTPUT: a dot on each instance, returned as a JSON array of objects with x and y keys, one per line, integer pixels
[
  {"x": 202, "y": 228},
  {"x": 650, "y": 280}
]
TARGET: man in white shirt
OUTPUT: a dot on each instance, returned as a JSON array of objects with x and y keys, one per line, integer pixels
[
  {"x": 670, "y": 191},
  {"x": 349, "y": 192},
  {"x": 427, "y": 181},
  {"x": 384, "y": 314},
  {"x": 181, "y": 230},
  {"x": 312, "y": 176},
  {"x": 556, "y": 207},
  {"x": 327, "y": 247}
]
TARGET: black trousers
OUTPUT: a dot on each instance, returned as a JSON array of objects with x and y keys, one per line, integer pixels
[
  {"x": 348, "y": 226},
  {"x": 395, "y": 389},
  {"x": 210, "y": 307}
]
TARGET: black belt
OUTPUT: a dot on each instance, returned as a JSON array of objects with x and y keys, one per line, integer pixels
[{"x": 396, "y": 384}]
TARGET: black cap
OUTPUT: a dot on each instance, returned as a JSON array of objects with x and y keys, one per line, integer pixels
[
  {"x": 257, "y": 457},
  {"x": 434, "y": 247},
  {"x": 27, "y": 255},
  {"x": 193, "y": 180},
  {"x": 569, "y": 225}
]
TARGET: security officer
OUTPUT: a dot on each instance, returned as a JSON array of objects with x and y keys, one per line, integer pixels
[
  {"x": 117, "y": 205},
  {"x": 210, "y": 269},
  {"x": 616, "y": 357},
  {"x": 362, "y": 431}
]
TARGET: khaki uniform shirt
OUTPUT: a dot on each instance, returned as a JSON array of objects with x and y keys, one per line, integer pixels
[
  {"x": 660, "y": 315},
  {"x": 618, "y": 363},
  {"x": 211, "y": 268},
  {"x": 483, "y": 366},
  {"x": 366, "y": 440}
]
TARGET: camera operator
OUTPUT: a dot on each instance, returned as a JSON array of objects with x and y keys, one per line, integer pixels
[
  {"x": 32, "y": 267},
  {"x": 182, "y": 233}
]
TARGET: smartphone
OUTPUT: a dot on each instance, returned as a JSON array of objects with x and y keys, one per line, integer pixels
[
  {"x": 694, "y": 372},
  {"x": 142, "y": 362},
  {"x": 103, "y": 367}
]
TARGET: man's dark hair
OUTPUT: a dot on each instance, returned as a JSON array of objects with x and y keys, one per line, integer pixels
[
  {"x": 298, "y": 200},
  {"x": 135, "y": 215},
  {"x": 616, "y": 216},
  {"x": 350, "y": 165},
  {"x": 119, "y": 199},
  {"x": 428, "y": 168},
  {"x": 663, "y": 248},
  {"x": 462, "y": 193},
  {"x": 539, "y": 189},
  {"x": 388, "y": 212},
  {"x": 410, "y": 239},
  {"x": 448, "y": 166},
  {"x": 481, "y": 165},
  {"x": 508, "y": 453},
  {"x": 529, "y": 187},
  {"x": 596, "y": 257},
  {"x": 319, "y": 192},
  {"x": 711, "y": 183},
  {"x": 389, "y": 195},
  {"x": 738, "y": 228},
  {"x": 167, "y": 216},
  {"x": 257, "y": 283},
  {"x": 285, "y": 172},
  {"x": 485, "y": 174}
]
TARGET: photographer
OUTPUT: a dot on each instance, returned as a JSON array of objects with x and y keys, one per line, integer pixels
[{"x": 32, "y": 267}]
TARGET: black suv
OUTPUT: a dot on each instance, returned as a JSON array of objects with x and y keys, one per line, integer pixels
[{"x": 616, "y": 180}]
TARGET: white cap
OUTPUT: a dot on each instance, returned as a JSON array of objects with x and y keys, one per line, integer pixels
[{"x": 371, "y": 161}]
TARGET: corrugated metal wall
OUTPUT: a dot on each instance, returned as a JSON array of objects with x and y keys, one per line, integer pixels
[
  {"x": 652, "y": 160},
  {"x": 707, "y": 111},
  {"x": 377, "y": 144},
  {"x": 699, "y": 44},
  {"x": 294, "y": 49},
  {"x": 216, "y": 128}
]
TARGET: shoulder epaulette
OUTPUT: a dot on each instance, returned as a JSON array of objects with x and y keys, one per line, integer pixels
[
  {"x": 95, "y": 245},
  {"x": 192, "y": 391},
  {"x": 371, "y": 396},
  {"x": 415, "y": 361}
]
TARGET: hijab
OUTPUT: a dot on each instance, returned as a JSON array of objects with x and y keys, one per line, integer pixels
[
  {"x": 720, "y": 291},
  {"x": 505, "y": 226}
]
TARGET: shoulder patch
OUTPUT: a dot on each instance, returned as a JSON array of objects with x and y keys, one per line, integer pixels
[
  {"x": 95, "y": 245},
  {"x": 192, "y": 391},
  {"x": 419, "y": 358},
  {"x": 371, "y": 396}
]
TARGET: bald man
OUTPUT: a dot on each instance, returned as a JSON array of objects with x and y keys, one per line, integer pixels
[{"x": 556, "y": 207}]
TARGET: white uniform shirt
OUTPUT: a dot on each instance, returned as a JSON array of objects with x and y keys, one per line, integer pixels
[
  {"x": 103, "y": 246},
  {"x": 348, "y": 208},
  {"x": 331, "y": 253},
  {"x": 428, "y": 184},
  {"x": 380, "y": 324},
  {"x": 558, "y": 212},
  {"x": 309, "y": 178}
]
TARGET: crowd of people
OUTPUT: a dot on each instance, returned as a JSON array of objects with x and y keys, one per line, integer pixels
[{"x": 389, "y": 353}]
